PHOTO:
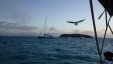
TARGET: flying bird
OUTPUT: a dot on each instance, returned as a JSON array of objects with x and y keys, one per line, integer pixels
[{"x": 76, "y": 23}]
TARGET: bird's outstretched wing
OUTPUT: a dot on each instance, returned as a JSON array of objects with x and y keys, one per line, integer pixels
[
  {"x": 70, "y": 22},
  {"x": 81, "y": 21}
]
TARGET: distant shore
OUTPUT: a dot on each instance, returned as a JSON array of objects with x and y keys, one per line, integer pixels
[{"x": 76, "y": 35}]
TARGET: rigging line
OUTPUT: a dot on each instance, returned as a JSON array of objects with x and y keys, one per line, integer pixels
[
  {"x": 94, "y": 26},
  {"x": 45, "y": 25},
  {"x": 107, "y": 25},
  {"x": 110, "y": 29},
  {"x": 101, "y": 14},
  {"x": 42, "y": 29},
  {"x": 105, "y": 35},
  {"x": 105, "y": 32}
]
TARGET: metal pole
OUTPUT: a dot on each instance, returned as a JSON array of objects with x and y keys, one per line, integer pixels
[{"x": 94, "y": 26}]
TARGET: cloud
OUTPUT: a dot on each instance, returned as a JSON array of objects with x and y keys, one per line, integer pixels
[
  {"x": 15, "y": 14},
  {"x": 15, "y": 21},
  {"x": 52, "y": 28},
  {"x": 16, "y": 26},
  {"x": 15, "y": 29},
  {"x": 88, "y": 32},
  {"x": 25, "y": 28},
  {"x": 5, "y": 23},
  {"x": 2, "y": 22},
  {"x": 17, "y": 33}
]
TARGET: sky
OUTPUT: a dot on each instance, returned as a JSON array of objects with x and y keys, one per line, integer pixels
[{"x": 27, "y": 17}]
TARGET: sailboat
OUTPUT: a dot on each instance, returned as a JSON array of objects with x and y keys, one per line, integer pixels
[{"x": 45, "y": 35}]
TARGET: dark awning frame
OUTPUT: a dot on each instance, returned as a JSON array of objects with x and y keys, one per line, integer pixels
[{"x": 108, "y": 6}]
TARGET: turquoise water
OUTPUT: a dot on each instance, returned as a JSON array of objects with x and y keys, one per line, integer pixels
[{"x": 31, "y": 50}]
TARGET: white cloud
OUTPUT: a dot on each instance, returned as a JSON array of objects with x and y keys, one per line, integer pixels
[
  {"x": 52, "y": 28},
  {"x": 16, "y": 26},
  {"x": 7, "y": 28}
]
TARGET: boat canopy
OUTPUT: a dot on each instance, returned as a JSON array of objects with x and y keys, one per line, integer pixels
[{"x": 108, "y": 5}]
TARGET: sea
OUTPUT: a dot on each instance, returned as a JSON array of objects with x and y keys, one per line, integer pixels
[{"x": 31, "y": 50}]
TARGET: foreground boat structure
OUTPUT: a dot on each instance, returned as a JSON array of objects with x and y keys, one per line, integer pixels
[{"x": 108, "y": 6}]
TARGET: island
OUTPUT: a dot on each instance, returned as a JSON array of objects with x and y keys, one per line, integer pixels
[{"x": 76, "y": 35}]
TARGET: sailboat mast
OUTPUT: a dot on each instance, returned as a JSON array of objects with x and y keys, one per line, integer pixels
[{"x": 45, "y": 25}]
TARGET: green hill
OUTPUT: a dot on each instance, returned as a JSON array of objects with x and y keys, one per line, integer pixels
[{"x": 75, "y": 35}]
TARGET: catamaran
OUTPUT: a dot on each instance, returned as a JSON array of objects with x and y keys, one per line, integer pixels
[{"x": 45, "y": 35}]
